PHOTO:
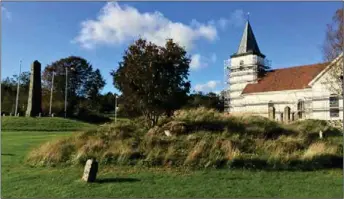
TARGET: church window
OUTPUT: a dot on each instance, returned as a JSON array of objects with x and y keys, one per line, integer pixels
[
  {"x": 241, "y": 66},
  {"x": 334, "y": 106},
  {"x": 270, "y": 104},
  {"x": 300, "y": 109},
  {"x": 271, "y": 111}
]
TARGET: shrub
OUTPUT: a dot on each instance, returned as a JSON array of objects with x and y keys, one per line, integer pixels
[
  {"x": 52, "y": 153},
  {"x": 86, "y": 115}
]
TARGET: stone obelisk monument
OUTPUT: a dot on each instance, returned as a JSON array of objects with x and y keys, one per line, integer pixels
[{"x": 34, "y": 103}]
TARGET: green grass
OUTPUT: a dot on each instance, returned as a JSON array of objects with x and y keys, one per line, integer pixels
[
  {"x": 20, "y": 180},
  {"x": 42, "y": 124}
]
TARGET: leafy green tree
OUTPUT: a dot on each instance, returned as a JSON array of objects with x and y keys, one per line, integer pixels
[
  {"x": 83, "y": 82},
  {"x": 8, "y": 90},
  {"x": 126, "y": 109},
  {"x": 9, "y": 93},
  {"x": 107, "y": 103},
  {"x": 210, "y": 100},
  {"x": 94, "y": 85},
  {"x": 154, "y": 79}
]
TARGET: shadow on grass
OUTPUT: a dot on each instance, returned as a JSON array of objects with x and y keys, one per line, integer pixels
[
  {"x": 8, "y": 154},
  {"x": 321, "y": 162},
  {"x": 116, "y": 180}
]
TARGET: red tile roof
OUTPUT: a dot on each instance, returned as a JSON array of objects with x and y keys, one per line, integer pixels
[{"x": 286, "y": 79}]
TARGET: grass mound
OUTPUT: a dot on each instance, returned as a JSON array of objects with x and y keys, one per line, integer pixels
[
  {"x": 41, "y": 124},
  {"x": 199, "y": 138}
]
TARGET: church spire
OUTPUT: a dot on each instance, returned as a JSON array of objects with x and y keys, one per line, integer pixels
[{"x": 248, "y": 44}]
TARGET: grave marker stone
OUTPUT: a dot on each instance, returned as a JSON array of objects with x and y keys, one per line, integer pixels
[{"x": 90, "y": 171}]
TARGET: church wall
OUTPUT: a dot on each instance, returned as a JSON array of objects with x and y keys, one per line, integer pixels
[
  {"x": 239, "y": 79},
  {"x": 321, "y": 92},
  {"x": 257, "y": 103},
  {"x": 240, "y": 76},
  {"x": 237, "y": 88},
  {"x": 317, "y": 96},
  {"x": 248, "y": 59},
  {"x": 322, "y": 86}
]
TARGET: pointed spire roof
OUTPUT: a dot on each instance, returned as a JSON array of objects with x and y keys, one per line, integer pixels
[{"x": 248, "y": 44}]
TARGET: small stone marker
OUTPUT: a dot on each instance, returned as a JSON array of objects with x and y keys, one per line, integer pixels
[
  {"x": 90, "y": 171},
  {"x": 320, "y": 134},
  {"x": 167, "y": 133},
  {"x": 39, "y": 115},
  {"x": 11, "y": 114},
  {"x": 3, "y": 115},
  {"x": 52, "y": 115}
]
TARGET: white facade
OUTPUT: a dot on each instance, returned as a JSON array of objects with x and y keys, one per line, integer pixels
[
  {"x": 312, "y": 102},
  {"x": 316, "y": 98}
]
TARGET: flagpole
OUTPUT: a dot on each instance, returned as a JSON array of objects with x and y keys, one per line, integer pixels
[
  {"x": 18, "y": 83},
  {"x": 51, "y": 93}
]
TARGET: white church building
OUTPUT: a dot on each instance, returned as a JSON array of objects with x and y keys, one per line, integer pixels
[{"x": 285, "y": 94}]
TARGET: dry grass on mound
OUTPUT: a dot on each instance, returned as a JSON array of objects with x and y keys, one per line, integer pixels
[
  {"x": 200, "y": 138},
  {"x": 319, "y": 149}
]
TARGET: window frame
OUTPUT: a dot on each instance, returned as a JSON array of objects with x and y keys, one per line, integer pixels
[
  {"x": 300, "y": 109},
  {"x": 241, "y": 64},
  {"x": 333, "y": 106}
]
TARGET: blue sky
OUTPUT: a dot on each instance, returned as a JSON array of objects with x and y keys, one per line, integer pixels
[{"x": 288, "y": 33}]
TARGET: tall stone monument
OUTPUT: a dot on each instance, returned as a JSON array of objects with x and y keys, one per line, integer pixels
[{"x": 34, "y": 103}]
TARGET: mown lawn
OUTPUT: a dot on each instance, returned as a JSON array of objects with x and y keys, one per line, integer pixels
[
  {"x": 42, "y": 124},
  {"x": 20, "y": 180}
]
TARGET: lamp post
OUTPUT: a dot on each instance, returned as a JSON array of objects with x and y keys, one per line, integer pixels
[
  {"x": 51, "y": 92},
  {"x": 65, "y": 104},
  {"x": 18, "y": 83}
]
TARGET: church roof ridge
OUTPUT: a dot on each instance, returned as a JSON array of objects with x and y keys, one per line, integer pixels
[{"x": 299, "y": 66}]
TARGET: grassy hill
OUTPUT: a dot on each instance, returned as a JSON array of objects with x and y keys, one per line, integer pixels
[
  {"x": 201, "y": 139},
  {"x": 42, "y": 124}
]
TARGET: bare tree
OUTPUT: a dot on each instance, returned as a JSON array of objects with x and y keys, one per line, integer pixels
[{"x": 333, "y": 47}]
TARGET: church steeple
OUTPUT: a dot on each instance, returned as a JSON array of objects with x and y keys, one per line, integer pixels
[{"x": 248, "y": 44}]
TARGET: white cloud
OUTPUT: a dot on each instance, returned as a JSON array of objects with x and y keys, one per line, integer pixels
[
  {"x": 223, "y": 23},
  {"x": 117, "y": 24},
  {"x": 198, "y": 61},
  {"x": 207, "y": 87},
  {"x": 236, "y": 19},
  {"x": 6, "y": 13}
]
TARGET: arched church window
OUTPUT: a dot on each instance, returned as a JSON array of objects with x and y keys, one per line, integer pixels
[
  {"x": 334, "y": 106},
  {"x": 271, "y": 104},
  {"x": 286, "y": 114},
  {"x": 300, "y": 108},
  {"x": 271, "y": 110}
]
